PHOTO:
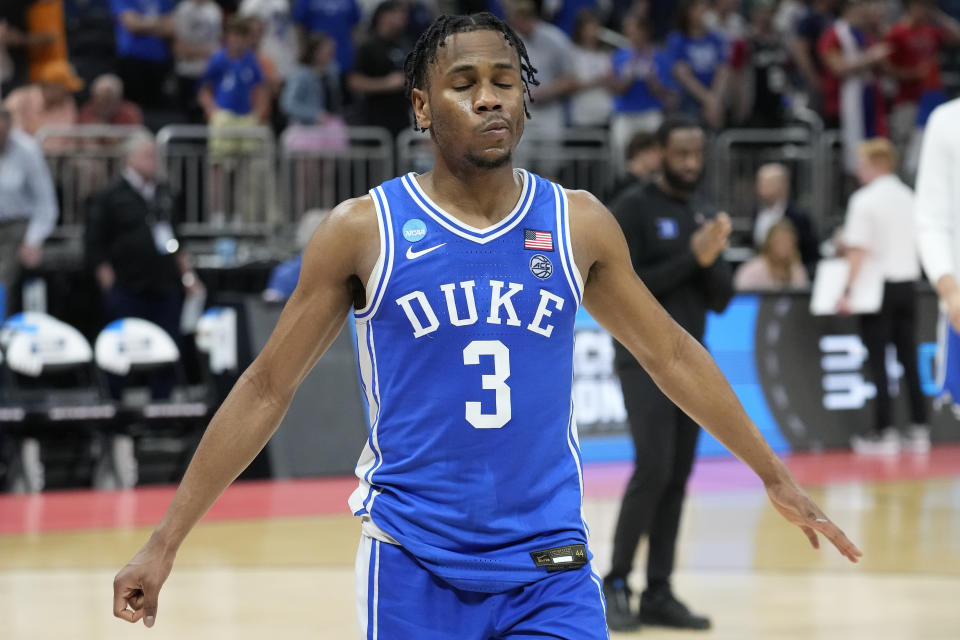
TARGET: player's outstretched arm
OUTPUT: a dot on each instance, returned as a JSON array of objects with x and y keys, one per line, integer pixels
[
  {"x": 339, "y": 251},
  {"x": 681, "y": 367}
]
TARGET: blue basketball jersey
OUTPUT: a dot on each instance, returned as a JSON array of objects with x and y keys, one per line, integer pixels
[{"x": 466, "y": 359}]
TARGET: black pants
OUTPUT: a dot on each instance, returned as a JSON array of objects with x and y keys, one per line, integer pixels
[
  {"x": 666, "y": 441},
  {"x": 896, "y": 322}
]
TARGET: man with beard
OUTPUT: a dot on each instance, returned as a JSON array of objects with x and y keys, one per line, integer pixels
[
  {"x": 676, "y": 252},
  {"x": 468, "y": 278}
]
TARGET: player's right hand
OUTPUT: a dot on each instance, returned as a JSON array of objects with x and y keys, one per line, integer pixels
[{"x": 137, "y": 587}]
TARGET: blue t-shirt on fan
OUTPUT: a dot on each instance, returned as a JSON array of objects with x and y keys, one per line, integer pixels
[
  {"x": 639, "y": 98},
  {"x": 233, "y": 80},
  {"x": 336, "y": 18},
  {"x": 141, "y": 47},
  {"x": 704, "y": 55}
]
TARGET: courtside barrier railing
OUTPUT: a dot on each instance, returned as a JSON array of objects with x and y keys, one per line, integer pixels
[
  {"x": 83, "y": 160},
  {"x": 225, "y": 175},
  {"x": 240, "y": 178},
  {"x": 324, "y": 165},
  {"x": 737, "y": 154}
]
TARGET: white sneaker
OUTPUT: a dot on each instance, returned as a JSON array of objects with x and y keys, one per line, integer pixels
[
  {"x": 34, "y": 475},
  {"x": 884, "y": 444},
  {"x": 124, "y": 460},
  {"x": 26, "y": 472},
  {"x": 917, "y": 439}
]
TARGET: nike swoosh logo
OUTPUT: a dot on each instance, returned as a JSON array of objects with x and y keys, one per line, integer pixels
[{"x": 413, "y": 255}]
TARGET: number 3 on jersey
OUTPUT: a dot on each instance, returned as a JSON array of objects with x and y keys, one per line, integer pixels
[{"x": 497, "y": 381}]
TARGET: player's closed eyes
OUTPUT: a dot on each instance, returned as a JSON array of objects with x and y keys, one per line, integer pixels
[{"x": 502, "y": 85}]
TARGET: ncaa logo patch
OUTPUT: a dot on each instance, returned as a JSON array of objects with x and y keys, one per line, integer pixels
[
  {"x": 414, "y": 230},
  {"x": 541, "y": 267}
]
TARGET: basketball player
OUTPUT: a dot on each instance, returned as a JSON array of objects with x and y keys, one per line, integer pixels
[
  {"x": 937, "y": 213},
  {"x": 464, "y": 283}
]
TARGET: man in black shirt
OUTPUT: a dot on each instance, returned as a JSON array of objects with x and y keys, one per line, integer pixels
[
  {"x": 131, "y": 245},
  {"x": 768, "y": 63},
  {"x": 677, "y": 252},
  {"x": 377, "y": 75}
]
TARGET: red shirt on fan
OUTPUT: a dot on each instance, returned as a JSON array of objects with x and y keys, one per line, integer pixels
[
  {"x": 916, "y": 47},
  {"x": 873, "y": 113}
]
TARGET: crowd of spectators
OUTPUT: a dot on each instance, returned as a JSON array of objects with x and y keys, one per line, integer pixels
[{"x": 868, "y": 67}]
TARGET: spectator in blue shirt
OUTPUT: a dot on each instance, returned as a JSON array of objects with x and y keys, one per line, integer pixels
[
  {"x": 142, "y": 30},
  {"x": 699, "y": 60},
  {"x": 335, "y": 18},
  {"x": 641, "y": 86},
  {"x": 233, "y": 83},
  {"x": 234, "y": 95}
]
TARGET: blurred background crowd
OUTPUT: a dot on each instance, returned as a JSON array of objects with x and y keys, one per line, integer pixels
[{"x": 309, "y": 70}]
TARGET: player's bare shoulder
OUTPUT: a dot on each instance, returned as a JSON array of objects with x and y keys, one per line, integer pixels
[
  {"x": 592, "y": 227},
  {"x": 348, "y": 239}
]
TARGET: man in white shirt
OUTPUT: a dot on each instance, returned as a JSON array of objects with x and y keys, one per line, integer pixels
[
  {"x": 28, "y": 202},
  {"x": 938, "y": 227},
  {"x": 879, "y": 222}
]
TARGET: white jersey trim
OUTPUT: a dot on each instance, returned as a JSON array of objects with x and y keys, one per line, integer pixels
[
  {"x": 569, "y": 242},
  {"x": 453, "y": 225},
  {"x": 563, "y": 243},
  {"x": 370, "y": 528},
  {"x": 371, "y": 459},
  {"x": 377, "y": 283},
  {"x": 596, "y": 580},
  {"x": 573, "y": 442},
  {"x": 362, "y": 583},
  {"x": 367, "y": 571}
]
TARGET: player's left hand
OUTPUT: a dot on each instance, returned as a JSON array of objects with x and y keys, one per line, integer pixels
[{"x": 796, "y": 507}]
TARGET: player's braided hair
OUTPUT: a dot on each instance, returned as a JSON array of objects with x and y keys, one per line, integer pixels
[{"x": 425, "y": 51}]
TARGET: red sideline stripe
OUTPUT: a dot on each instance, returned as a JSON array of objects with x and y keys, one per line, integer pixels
[
  {"x": 70, "y": 510},
  {"x": 76, "y": 510}
]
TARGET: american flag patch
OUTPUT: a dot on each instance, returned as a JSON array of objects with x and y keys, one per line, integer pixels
[{"x": 542, "y": 240}]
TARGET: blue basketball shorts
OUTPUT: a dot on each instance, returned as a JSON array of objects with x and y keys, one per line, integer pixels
[
  {"x": 948, "y": 360},
  {"x": 397, "y": 599}
]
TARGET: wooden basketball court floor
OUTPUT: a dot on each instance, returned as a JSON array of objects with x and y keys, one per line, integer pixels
[{"x": 274, "y": 559}]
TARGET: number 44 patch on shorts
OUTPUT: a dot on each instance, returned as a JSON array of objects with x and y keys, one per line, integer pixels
[{"x": 571, "y": 556}]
